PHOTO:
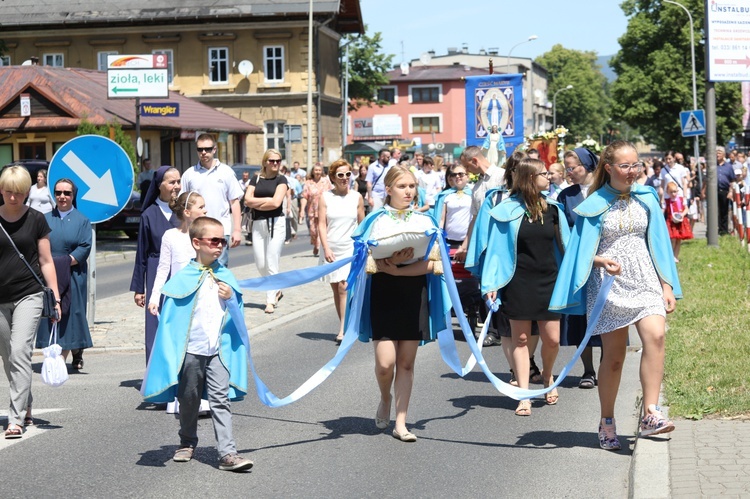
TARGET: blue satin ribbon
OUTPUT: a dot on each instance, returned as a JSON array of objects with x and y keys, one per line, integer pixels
[
  {"x": 293, "y": 278},
  {"x": 446, "y": 341},
  {"x": 449, "y": 353}
]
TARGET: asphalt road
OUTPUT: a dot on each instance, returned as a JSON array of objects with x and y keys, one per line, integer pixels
[{"x": 96, "y": 438}]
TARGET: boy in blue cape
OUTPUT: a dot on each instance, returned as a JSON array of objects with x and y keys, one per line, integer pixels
[{"x": 198, "y": 349}]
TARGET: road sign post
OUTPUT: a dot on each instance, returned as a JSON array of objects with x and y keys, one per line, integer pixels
[{"x": 103, "y": 174}]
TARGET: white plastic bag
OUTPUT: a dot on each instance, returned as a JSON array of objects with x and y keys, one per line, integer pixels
[{"x": 54, "y": 370}]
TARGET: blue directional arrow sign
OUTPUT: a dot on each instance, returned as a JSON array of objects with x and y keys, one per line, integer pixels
[
  {"x": 693, "y": 123},
  {"x": 101, "y": 170}
]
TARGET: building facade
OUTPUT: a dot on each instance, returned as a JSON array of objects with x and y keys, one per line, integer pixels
[{"x": 248, "y": 59}]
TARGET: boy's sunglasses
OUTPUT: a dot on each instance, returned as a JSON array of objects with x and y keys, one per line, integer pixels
[{"x": 214, "y": 242}]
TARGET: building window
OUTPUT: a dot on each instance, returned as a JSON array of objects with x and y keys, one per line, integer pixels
[
  {"x": 273, "y": 62},
  {"x": 101, "y": 57},
  {"x": 425, "y": 93},
  {"x": 5, "y": 60},
  {"x": 218, "y": 65},
  {"x": 275, "y": 136},
  {"x": 170, "y": 62},
  {"x": 425, "y": 124},
  {"x": 388, "y": 94},
  {"x": 55, "y": 60}
]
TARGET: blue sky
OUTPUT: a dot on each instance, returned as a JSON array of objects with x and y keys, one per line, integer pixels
[{"x": 423, "y": 25}]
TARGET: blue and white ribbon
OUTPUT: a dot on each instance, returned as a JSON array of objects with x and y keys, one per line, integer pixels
[{"x": 446, "y": 341}]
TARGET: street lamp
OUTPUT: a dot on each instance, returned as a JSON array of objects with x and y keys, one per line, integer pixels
[
  {"x": 530, "y": 39},
  {"x": 696, "y": 146},
  {"x": 554, "y": 106}
]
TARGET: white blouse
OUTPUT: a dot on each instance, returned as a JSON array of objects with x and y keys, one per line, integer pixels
[{"x": 176, "y": 252}]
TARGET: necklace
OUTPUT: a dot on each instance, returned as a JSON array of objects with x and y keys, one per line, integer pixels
[
  {"x": 400, "y": 215},
  {"x": 625, "y": 197}
]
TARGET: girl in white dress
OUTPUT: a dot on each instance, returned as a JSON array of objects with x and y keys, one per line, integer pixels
[
  {"x": 176, "y": 252},
  {"x": 339, "y": 212}
]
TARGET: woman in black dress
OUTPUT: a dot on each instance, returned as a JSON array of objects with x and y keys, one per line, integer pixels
[{"x": 535, "y": 227}]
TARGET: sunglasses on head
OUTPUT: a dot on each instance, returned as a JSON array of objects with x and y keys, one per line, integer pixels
[
  {"x": 343, "y": 174},
  {"x": 214, "y": 242},
  {"x": 63, "y": 193},
  {"x": 205, "y": 149}
]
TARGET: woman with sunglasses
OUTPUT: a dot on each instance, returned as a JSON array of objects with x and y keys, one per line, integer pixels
[
  {"x": 620, "y": 226},
  {"x": 156, "y": 219},
  {"x": 70, "y": 243},
  {"x": 40, "y": 198},
  {"x": 453, "y": 206},
  {"x": 314, "y": 187},
  {"x": 339, "y": 212},
  {"x": 525, "y": 245},
  {"x": 265, "y": 198}
]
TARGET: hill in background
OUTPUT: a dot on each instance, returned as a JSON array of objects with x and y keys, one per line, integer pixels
[{"x": 603, "y": 62}]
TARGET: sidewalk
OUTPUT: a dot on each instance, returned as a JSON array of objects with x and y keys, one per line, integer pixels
[
  {"x": 705, "y": 458},
  {"x": 119, "y": 323}
]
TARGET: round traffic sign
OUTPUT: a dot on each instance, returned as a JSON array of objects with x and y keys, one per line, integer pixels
[{"x": 100, "y": 169}]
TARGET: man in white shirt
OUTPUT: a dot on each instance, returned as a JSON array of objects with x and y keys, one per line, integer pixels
[
  {"x": 216, "y": 182},
  {"x": 395, "y": 156},
  {"x": 674, "y": 172},
  {"x": 430, "y": 181},
  {"x": 376, "y": 179},
  {"x": 489, "y": 177}
]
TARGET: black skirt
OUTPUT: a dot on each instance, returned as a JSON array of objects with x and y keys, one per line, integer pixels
[
  {"x": 398, "y": 308},
  {"x": 527, "y": 295}
]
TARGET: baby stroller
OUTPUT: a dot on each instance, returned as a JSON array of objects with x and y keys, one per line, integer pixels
[{"x": 470, "y": 295}]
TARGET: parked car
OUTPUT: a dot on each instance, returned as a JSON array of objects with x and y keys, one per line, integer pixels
[
  {"x": 128, "y": 220},
  {"x": 33, "y": 165},
  {"x": 239, "y": 168}
]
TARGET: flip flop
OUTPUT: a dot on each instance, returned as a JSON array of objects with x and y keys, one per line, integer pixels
[{"x": 11, "y": 433}]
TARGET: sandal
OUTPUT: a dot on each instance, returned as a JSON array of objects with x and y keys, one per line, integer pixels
[
  {"x": 269, "y": 308},
  {"x": 513, "y": 381},
  {"x": 588, "y": 380},
  {"x": 535, "y": 376},
  {"x": 551, "y": 396},
  {"x": 524, "y": 408},
  {"x": 13, "y": 432},
  {"x": 279, "y": 296},
  {"x": 339, "y": 339},
  {"x": 490, "y": 340},
  {"x": 28, "y": 421}
]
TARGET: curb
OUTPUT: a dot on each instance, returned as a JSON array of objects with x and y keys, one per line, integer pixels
[
  {"x": 649, "y": 465},
  {"x": 114, "y": 257}
]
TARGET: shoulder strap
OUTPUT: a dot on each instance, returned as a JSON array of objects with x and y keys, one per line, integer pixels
[{"x": 20, "y": 255}]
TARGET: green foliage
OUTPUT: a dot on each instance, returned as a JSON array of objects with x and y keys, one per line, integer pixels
[
  {"x": 708, "y": 342},
  {"x": 367, "y": 69},
  {"x": 88, "y": 128},
  {"x": 3, "y": 47},
  {"x": 654, "y": 72},
  {"x": 584, "y": 109}
]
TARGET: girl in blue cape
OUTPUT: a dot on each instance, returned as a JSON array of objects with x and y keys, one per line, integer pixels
[
  {"x": 405, "y": 303},
  {"x": 621, "y": 230},
  {"x": 526, "y": 242}
]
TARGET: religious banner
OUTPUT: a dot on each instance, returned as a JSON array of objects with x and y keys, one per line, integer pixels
[{"x": 494, "y": 113}]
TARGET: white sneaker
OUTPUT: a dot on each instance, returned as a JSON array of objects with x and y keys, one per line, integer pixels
[
  {"x": 205, "y": 409},
  {"x": 173, "y": 407}
]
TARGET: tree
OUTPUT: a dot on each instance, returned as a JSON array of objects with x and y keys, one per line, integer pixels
[
  {"x": 584, "y": 109},
  {"x": 654, "y": 80},
  {"x": 367, "y": 69},
  {"x": 88, "y": 128}
]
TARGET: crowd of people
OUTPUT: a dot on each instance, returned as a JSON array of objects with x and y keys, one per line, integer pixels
[{"x": 536, "y": 241}]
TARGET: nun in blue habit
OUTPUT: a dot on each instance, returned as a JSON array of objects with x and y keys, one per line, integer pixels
[
  {"x": 156, "y": 219},
  {"x": 70, "y": 243}
]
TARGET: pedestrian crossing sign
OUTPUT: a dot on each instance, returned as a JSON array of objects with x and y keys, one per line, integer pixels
[{"x": 693, "y": 123}]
